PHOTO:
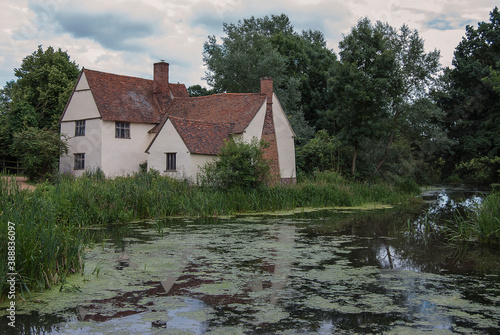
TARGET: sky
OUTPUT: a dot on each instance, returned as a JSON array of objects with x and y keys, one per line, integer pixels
[{"x": 127, "y": 36}]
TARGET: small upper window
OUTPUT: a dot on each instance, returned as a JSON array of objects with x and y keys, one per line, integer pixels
[
  {"x": 122, "y": 130},
  {"x": 79, "y": 161},
  {"x": 80, "y": 128}
]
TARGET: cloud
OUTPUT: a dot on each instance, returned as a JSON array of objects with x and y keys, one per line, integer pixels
[{"x": 112, "y": 30}]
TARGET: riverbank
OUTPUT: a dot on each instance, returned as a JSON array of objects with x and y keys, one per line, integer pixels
[{"x": 51, "y": 221}]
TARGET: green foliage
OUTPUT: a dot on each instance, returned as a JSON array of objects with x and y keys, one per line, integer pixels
[
  {"x": 199, "y": 91},
  {"x": 479, "y": 171},
  {"x": 471, "y": 97},
  {"x": 321, "y": 153},
  {"x": 238, "y": 165},
  {"x": 381, "y": 73},
  {"x": 37, "y": 98},
  {"x": 39, "y": 151},
  {"x": 481, "y": 225}
]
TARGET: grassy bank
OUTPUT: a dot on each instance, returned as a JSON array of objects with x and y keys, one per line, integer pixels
[
  {"x": 49, "y": 221},
  {"x": 481, "y": 225}
]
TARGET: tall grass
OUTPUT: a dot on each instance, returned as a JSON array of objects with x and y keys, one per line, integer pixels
[
  {"x": 50, "y": 221},
  {"x": 481, "y": 225}
]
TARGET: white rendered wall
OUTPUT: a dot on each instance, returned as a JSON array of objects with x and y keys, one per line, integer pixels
[
  {"x": 82, "y": 107},
  {"x": 82, "y": 104},
  {"x": 169, "y": 140},
  {"x": 122, "y": 156},
  {"x": 254, "y": 128},
  {"x": 284, "y": 140},
  {"x": 90, "y": 145},
  {"x": 197, "y": 162}
]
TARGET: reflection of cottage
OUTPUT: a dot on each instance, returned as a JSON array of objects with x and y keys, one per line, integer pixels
[{"x": 117, "y": 122}]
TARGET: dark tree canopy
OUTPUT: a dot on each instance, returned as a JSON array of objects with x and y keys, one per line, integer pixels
[
  {"x": 472, "y": 99},
  {"x": 381, "y": 73}
]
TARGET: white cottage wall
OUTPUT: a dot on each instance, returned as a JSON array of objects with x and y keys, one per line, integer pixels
[
  {"x": 82, "y": 104},
  {"x": 169, "y": 141},
  {"x": 122, "y": 156},
  {"x": 254, "y": 128},
  {"x": 284, "y": 140},
  {"x": 90, "y": 145}
]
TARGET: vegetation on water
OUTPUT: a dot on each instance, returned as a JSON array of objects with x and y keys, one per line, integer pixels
[
  {"x": 482, "y": 224},
  {"x": 51, "y": 222}
]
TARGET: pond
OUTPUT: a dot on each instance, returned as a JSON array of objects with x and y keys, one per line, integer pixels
[{"x": 323, "y": 272}]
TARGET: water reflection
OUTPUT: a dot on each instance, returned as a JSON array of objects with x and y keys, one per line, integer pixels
[{"x": 324, "y": 272}]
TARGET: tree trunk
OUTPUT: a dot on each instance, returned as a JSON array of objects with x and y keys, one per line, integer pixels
[
  {"x": 389, "y": 144},
  {"x": 386, "y": 153},
  {"x": 354, "y": 161}
]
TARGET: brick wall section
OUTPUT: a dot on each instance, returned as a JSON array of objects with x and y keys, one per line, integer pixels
[{"x": 268, "y": 132}]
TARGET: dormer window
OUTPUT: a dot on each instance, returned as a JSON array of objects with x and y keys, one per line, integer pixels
[
  {"x": 122, "y": 130},
  {"x": 80, "y": 128}
]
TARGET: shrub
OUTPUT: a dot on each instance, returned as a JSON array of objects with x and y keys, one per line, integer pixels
[
  {"x": 238, "y": 165},
  {"x": 39, "y": 151}
]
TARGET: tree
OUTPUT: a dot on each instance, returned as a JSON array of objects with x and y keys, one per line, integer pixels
[
  {"x": 298, "y": 63},
  {"x": 321, "y": 153},
  {"x": 38, "y": 97},
  {"x": 238, "y": 165},
  {"x": 199, "y": 91},
  {"x": 39, "y": 151},
  {"x": 472, "y": 98},
  {"x": 382, "y": 71}
]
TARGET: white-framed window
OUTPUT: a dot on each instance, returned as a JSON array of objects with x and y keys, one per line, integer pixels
[
  {"x": 79, "y": 162},
  {"x": 80, "y": 128},
  {"x": 171, "y": 161},
  {"x": 122, "y": 129}
]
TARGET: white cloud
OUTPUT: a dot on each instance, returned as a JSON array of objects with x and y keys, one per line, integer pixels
[{"x": 127, "y": 36}]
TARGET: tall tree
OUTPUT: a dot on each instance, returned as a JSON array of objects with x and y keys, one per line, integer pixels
[
  {"x": 472, "y": 99},
  {"x": 38, "y": 96},
  {"x": 382, "y": 72},
  {"x": 269, "y": 46}
]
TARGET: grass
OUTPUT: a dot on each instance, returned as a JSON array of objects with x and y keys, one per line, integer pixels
[
  {"x": 482, "y": 224},
  {"x": 51, "y": 220}
]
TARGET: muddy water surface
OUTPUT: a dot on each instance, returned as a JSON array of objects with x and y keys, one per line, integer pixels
[{"x": 326, "y": 272}]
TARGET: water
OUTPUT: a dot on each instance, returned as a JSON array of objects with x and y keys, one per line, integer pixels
[{"x": 327, "y": 272}]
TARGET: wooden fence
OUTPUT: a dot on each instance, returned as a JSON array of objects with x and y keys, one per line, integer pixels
[{"x": 10, "y": 167}]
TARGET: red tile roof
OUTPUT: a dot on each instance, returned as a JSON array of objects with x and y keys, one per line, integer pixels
[
  {"x": 202, "y": 137},
  {"x": 127, "y": 99},
  {"x": 203, "y": 123},
  {"x": 237, "y": 108}
]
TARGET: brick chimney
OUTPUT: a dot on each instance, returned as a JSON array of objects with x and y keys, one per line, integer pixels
[
  {"x": 269, "y": 132},
  {"x": 160, "y": 78},
  {"x": 266, "y": 87}
]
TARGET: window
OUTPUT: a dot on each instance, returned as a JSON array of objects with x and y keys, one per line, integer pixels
[
  {"x": 171, "y": 162},
  {"x": 79, "y": 161},
  {"x": 122, "y": 130},
  {"x": 80, "y": 128}
]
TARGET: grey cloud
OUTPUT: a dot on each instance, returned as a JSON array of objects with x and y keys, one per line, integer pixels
[{"x": 112, "y": 30}]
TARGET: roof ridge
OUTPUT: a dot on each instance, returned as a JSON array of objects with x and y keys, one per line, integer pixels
[
  {"x": 225, "y": 93},
  {"x": 118, "y": 75}
]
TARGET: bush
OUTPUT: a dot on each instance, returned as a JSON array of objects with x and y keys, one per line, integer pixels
[
  {"x": 39, "y": 151},
  {"x": 238, "y": 165},
  {"x": 482, "y": 170}
]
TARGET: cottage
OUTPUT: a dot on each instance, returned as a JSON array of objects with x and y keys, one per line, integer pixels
[{"x": 117, "y": 122}]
